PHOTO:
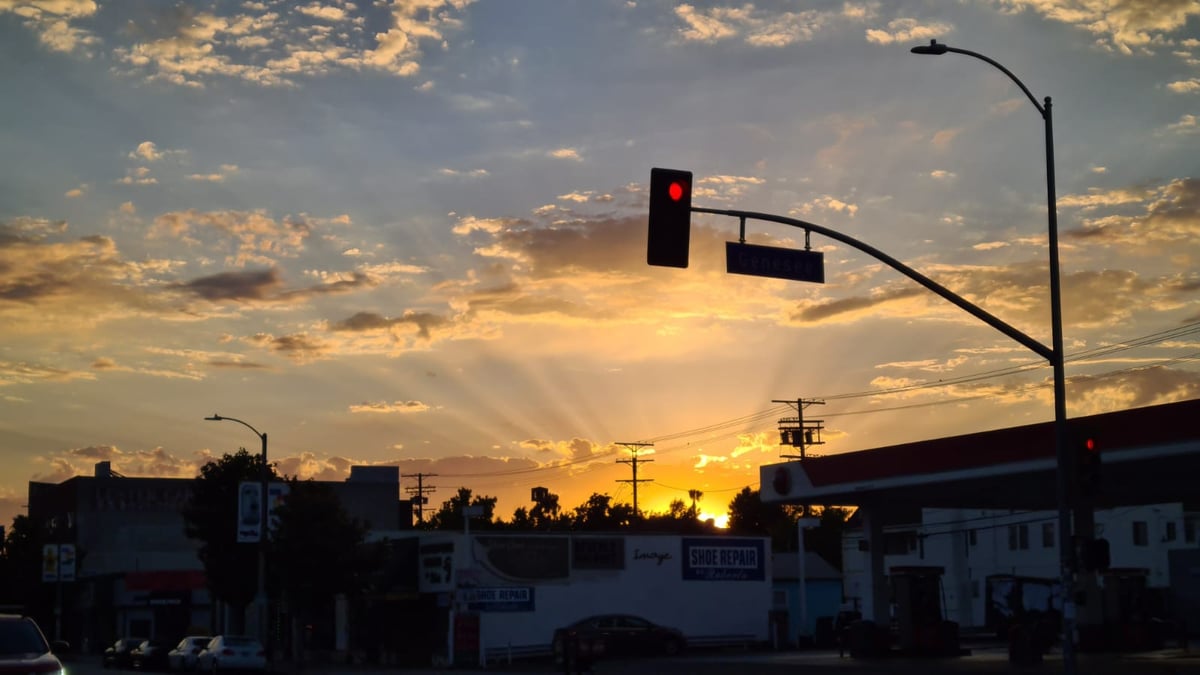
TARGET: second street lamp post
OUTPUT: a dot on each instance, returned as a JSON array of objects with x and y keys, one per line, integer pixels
[
  {"x": 261, "y": 613},
  {"x": 1063, "y": 458}
]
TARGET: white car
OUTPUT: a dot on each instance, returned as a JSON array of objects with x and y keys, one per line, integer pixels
[
  {"x": 183, "y": 656},
  {"x": 226, "y": 653}
]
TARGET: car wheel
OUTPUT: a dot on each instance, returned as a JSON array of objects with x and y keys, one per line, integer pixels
[{"x": 672, "y": 647}]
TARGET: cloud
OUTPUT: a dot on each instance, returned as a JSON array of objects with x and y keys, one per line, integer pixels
[
  {"x": 757, "y": 27},
  {"x": 941, "y": 174},
  {"x": 1170, "y": 217},
  {"x": 824, "y": 203},
  {"x": 1096, "y": 198},
  {"x": 565, "y": 153},
  {"x": 385, "y": 407},
  {"x": 226, "y": 171},
  {"x": 76, "y": 193},
  {"x": 1120, "y": 25},
  {"x": 300, "y": 348},
  {"x": 12, "y": 372},
  {"x": 53, "y": 21},
  {"x": 398, "y": 49},
  {"x": 469, "y": 173},
  {"x": 237, "y": 286},
  {"x": 907, "y": 30},
  {"x": 254, "y": 236},
  {"x": 188, "y": 47},
  {"x": 1188, "y": 124},
  {"x": 1191, "y": 86}
]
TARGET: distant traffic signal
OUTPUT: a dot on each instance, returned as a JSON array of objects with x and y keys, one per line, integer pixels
[
  {"x": 1087, "y": 465},
  {"x": 670, "y": 217},
  {"x": 1093, "y": 554}
]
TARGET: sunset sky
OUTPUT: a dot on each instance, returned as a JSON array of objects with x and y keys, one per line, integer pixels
[{"x": 414, "y": 232}]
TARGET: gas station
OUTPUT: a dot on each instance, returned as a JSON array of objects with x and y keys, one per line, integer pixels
[{"x": 1150, "y": 455}]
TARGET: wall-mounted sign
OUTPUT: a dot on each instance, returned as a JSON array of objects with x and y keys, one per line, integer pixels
[
  {"x": 723, "y": 559},
  {"x": 498, "y": 599},
  {"x": 58, "y": 562}
]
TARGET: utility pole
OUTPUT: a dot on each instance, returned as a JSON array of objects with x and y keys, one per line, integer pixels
[
  {"x": 798, "y": 432},
  {"x": 419, "y": 491},
  {"x": 633, "y": 462}
]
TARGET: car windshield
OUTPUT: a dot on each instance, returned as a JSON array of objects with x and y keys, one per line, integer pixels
[{"x": 21, "y": 637}]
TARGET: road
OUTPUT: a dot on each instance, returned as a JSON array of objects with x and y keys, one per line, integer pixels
[{"x": 981, "y": 660}]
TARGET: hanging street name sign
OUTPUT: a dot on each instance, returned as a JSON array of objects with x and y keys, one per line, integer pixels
[{"x": 771, "y": 261}]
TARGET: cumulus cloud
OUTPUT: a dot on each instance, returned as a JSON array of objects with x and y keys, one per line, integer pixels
[
  {"x": 1120, "y": 25},
  {"x": 759, "y": 28},
  {"x": 565, "y": 153},
  {"x": 255, "y": 236},
  {"x": 188, "y": 47},
  {"x": 383, "y": 407},
  {"x": 1170, "y": 215},
  {"x": 1188, "y": 124},
  {"x": 54, "y": 21},
  {"x": 907, "y": 30}
]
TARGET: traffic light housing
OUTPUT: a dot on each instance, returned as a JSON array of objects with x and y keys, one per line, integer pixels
[
  {"x": 670, "y": 217},
  {"x": 1093, "y": 554},
  {"x": 1087, "y": 465}
]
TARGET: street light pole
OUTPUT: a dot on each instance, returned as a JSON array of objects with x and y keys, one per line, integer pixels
[
  {"x": 260, "y": 597},
  {"x": 1063, "y": 457}
]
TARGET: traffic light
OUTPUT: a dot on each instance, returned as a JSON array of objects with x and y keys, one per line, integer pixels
[
  {"x": 1093, "y": 554},
  {"x": 670, "y": 217},
  {"x": 1087, "y": 465}
]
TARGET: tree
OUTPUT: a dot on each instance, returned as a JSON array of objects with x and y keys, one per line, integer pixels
[
  {"x": 21, "y": 564},
  {"x": 317, "y": 549},
  {"x": 695, "y": 495},
  {"x": 545, "y": 511},
  {"x": 210, "y": 517},
  {"x": 599, "y": 513},
  {"x": 748, "y": 515},
  {"x": 826, "y": 539},
  {"x": 450, "y": 517}
]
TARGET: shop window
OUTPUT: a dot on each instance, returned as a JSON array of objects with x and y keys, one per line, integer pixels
[
  {"x": 1018, "y": 537},
  {"x": 1141, "y": 533}
]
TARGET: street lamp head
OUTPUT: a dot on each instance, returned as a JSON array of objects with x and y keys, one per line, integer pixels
[
  {"x": 932, "y": 48},
  {"x": 214, "y": 418}
]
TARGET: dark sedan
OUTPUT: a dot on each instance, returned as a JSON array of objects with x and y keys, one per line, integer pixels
[
  {"x": 120, "y": 653},
  {"x": 150, "y": 655},
  {"x": 617, "y": 635}
]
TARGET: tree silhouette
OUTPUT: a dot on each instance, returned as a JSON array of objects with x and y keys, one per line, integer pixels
[
  {"x": 210, "y": 516},
  {"x": 317, "y": 548},
  {"x": 450, "y": 517},
  {"x": 695, "y": 495}
]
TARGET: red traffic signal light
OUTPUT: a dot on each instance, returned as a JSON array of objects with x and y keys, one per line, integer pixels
[
  {"x": 670, "y": 219},
  {"x": 1087, "y": 465}
]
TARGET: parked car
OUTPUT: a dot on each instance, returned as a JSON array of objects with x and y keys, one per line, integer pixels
[
  {"x": 618, "y": 635},
  {"x": 150, "y": 655},
  {"x": 224, "y": 653},
  {"x": 183, "y": 656},
  {"x": 120, "y": 653},
  {"x": 23, "y": 647}
]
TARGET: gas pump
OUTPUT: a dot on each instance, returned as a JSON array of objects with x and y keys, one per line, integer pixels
[{"x": 919, "y": 621}]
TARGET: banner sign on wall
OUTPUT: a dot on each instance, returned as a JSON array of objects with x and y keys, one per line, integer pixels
[
  {"x": 500, "y": 599},
  {"x": 723, "y": 559}
]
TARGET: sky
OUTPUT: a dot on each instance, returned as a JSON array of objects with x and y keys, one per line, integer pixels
[{"x": 413, "y": 232}]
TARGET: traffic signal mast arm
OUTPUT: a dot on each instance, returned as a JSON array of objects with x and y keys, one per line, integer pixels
[{"x": 974, "y": 310}]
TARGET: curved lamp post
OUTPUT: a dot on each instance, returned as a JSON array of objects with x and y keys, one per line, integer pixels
[
  {"x": 260, "y": 596},
  {"x": 1062, "y": 456}
]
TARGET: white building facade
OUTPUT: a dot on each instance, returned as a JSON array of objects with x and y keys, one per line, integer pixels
[{"x": 972, "y": 545}]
